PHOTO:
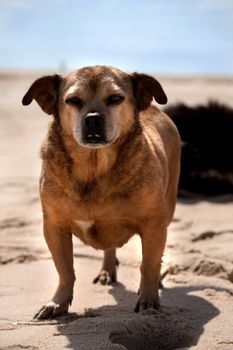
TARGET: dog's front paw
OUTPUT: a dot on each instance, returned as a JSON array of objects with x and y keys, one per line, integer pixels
[
  {"x": 144, "y": 304},
  {"x": 51, "y": 310},
  {"x": 105, "y": 278}
]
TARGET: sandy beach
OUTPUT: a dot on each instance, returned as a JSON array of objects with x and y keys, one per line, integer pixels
[{"x": 197, "y": 298}]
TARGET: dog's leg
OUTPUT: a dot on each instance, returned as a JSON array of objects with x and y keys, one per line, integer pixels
[
  {"x": 153, "y": 242},
  {"x": 59, "y": 241},
  {"x": 108, "y": 273}
]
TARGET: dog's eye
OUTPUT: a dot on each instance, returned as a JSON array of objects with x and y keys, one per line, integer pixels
[
  {"x": 75, "y": 101},
  {"x": 115, "y": 99}
]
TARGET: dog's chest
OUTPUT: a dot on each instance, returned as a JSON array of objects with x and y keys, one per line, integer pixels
[
  {"x": 103, "y": 235},
  {"x": 84, "y": 225}
]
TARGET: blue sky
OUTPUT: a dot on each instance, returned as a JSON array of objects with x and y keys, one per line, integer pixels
[{"x": 163, "y": 36}]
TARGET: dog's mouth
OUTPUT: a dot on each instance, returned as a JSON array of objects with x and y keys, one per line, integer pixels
[{"x": 94, "y": 138}]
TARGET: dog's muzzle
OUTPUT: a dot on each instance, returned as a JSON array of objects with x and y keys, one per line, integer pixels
[{"x": 93, "y": 129}]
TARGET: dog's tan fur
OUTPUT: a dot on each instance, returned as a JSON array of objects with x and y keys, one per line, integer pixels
[{"x": 105, "y": 195}]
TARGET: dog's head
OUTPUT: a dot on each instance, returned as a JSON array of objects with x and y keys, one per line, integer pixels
[{"x": 95, "y": 105}]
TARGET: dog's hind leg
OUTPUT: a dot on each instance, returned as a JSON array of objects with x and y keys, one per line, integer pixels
[{"x": 108, "y": 272}]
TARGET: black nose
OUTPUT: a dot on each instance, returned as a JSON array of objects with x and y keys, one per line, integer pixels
[
  {"x": 93, "y": 128},
  {"x": 93, "y": 120}
]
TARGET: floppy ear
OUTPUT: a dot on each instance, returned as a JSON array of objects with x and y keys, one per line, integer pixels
[
  {"x": 145, "y": 88},
  {"x": 45, "y": 91}
]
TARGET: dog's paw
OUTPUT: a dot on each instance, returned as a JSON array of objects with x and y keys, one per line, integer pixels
[
  {"x": 51, "y": 310},
  {"x": 144, "y": 304},
  {"x": 105, "y": 278}
]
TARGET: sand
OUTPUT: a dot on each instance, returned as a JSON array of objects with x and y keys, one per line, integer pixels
[{"x": 197, "y": 298}]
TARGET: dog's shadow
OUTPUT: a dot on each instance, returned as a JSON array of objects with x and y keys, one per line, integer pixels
[{"x": 178, "y": 324}]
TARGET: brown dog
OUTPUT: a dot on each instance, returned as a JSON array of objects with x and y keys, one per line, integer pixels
[{"x": 110, "y": 169}]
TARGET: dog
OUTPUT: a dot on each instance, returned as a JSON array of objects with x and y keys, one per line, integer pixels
[
  {"x": 206, "y": 132},
  {"x": 111, "y": 163}
]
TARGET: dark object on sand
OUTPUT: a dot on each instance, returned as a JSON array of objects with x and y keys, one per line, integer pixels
[{"x": 207, "y": 153}]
